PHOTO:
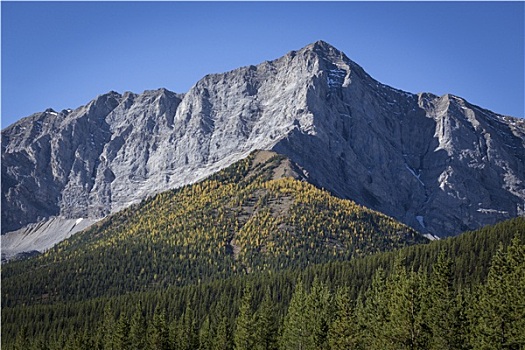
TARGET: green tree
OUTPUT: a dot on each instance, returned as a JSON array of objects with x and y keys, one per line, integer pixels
[
  {"x": 21, "y": 342},
  {"x": 441, "y": 304},
  {"x": 295, "y": 333},
  {"x": 266, "y": 324},
  {"x": 188, "y": 338},
  {"x": 462, "y": 321},
  {"x": 40, "y": 344},
  {"x": 343, "y": 333},
  {"x": 159, "y": 334},
  {"x": 244, "y": 325},
  {"x": 373, "y": 313},
  {"x": 108, "y": 329},
  {"x": 78, "y": 341},
  {"x": 205, "y": 335},
  {"x": 501, "y": 308},
  {"x": 137, "y": 330},
  {"x": 122, "y": 333},
  {"x": 406, "y": 328},
  {"x": 222, "y": 340},
  {"x": 319, "y": 315}
]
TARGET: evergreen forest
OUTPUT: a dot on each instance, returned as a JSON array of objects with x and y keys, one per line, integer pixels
[{"x": 252, "y": 258}]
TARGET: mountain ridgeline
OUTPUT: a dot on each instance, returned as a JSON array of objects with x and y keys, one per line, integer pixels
[
  {"x": 254, "y": 216},
  {"x": 438, "y": 164}
]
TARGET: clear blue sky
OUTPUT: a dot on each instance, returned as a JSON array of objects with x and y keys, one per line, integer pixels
[{"x": 63, "y": 54}]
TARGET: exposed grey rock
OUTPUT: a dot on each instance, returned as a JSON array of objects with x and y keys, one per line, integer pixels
[
  {"x": 40, "y": 236},
  {"x": 438, "y": 164}
]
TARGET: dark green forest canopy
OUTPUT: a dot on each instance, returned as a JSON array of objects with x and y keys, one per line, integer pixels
[{"x": 456, "y": 267}]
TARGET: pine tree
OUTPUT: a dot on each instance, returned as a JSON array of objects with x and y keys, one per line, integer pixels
[
  {"x": 121, "y": 334},
  {"x": 266, "y": 325},
  {"x": 205, "y": 335},
  {"x": 21, "y": 342},
  {"x": 108, "y": 329},
  {"x": 187, "y": 334},
  {"x": 173, "y": 334},
  {"x": 406, "y": 328},
  {"x": 78, "y": 341},
  {"x": 244, "y": 326},
  {"x": 343, "y": 333},
  {"x": 222, "y": 339},
  {"x": 61, "y": 340},
  {"x": 462, "y": 325},
  {"x": 373, "y": 313},
  {"x": 440, "y": 304},
  {"x": 501, "y": 309},
  {"x": 40, "y": 344},
  {"x": 295, "y": 335},
  {"x": 137, "y": 330},
  {"x": 318, "y": 313},
  {"x": 159, "y": 334}
]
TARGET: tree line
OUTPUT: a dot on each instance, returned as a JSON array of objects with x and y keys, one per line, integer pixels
[{"x": 410, "y": 299}]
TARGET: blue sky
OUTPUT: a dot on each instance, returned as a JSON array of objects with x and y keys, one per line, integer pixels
[{"x": 63, "y": 54}]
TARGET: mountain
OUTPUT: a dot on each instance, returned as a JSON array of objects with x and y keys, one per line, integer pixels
[
  {"x": 256, "y": 215},
  {"x": 438, "y": 164}
]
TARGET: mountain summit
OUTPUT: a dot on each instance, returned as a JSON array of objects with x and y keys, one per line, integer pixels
[{"x": 437, "y": 164}]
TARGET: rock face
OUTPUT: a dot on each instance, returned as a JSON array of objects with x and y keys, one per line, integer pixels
[{"x": 438, "y": 164}]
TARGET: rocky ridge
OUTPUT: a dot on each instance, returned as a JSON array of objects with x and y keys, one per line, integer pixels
[{"x": 436, "y": 163}]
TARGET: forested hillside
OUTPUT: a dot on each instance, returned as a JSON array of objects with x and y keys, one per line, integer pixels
[
  {"x": 253, "y": 216},
  {"x": 460, "y": 293}
]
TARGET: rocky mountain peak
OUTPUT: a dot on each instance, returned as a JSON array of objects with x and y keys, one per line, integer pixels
[
  {"x": 325, "y": 50},
  {"x": 438, "y": 164}
]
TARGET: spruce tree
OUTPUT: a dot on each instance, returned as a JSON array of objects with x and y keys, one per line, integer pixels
[
  {"x": 343, "y": 333},
  {"x": 462, "y": 325},
  {"x": 121, "y": 334},
  {"x": 187, "y": 334},
  {"x": 295, "y": 333},
  {"x": 108, "y": 329},
  {"x": 158, "y": 333},
  {"x": 222, "y": 339},
  {"x": 137, "y": 330},
  {"x": 173, "y": 334},
  {"x": 205, "y": 335},
  {"x": 373, "y": 313},
  {"x": 244, "y": 326},
  {"x": 78, "y": 341},
  {"x": 266, "y": 324},
  {"x": 40, "y": 344},
  {"x": 319, "y": 315},
  {"x": 21, "y": 342},
  {"x": 440, "y": 304},
  {"x": 501, "y": 308},
  {"x": 406, "y": 329}
]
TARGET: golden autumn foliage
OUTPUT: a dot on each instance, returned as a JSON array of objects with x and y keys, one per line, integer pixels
[{"x": 240, "y": 220}]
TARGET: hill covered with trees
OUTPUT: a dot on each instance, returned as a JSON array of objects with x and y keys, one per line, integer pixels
[
  {"x": 255, "y": 257},
  {"x": 253, "y": 216},
  {"x": 459, "y": 293}
]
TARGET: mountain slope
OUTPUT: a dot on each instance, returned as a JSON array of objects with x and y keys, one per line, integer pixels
[
  {"x": 471, "y": 254},
  {"x": 256, "y": 215},
  {"x": 438, "y": 164}
]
